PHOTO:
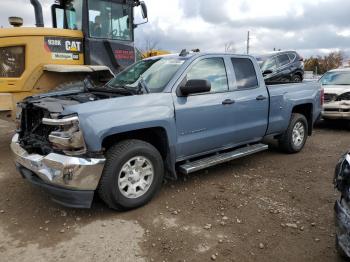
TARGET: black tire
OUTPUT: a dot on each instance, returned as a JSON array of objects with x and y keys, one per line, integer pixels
[
  {"x": 286, "y": 141},
  {"x": 297, "y": 79},
  {"x": 118, "y": 155}
]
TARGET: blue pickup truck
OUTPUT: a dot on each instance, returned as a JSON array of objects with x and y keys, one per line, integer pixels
[{"x": 162, "y": 116}]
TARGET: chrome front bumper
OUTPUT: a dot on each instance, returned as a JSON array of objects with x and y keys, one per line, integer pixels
[
  {"x": 60, "y": 170},
  {"x": 336, "y": 110}
]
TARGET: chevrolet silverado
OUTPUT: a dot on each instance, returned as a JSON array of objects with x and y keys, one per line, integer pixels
[{"x": 161, "y": 116}]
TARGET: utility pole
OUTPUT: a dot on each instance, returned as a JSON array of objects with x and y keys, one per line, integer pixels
[{"x": 248, "y": 40}]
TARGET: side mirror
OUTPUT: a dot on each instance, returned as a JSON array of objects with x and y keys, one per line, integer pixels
[
  {"x": 144, "y": 14},
  {"x": 195, "y": 86},
  {"x": 267, "y": 72},
  {"x": 144, "y": 10}
]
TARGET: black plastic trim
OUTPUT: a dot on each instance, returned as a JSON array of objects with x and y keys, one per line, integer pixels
[{"x": 62, "y": 196}]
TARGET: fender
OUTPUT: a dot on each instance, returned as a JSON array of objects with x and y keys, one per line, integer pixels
[{"x": 100, "y": 119}]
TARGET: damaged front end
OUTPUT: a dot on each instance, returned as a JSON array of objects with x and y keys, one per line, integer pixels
[
  {"x": 342, "y": 206},
  {"x": 336, "y": 106},
  {"x": 50, "y": 150}
]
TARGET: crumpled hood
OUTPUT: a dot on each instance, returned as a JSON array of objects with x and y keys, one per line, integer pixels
[
  {"x": 132, "y": 103},
  {"x": 336, "y": 89}
]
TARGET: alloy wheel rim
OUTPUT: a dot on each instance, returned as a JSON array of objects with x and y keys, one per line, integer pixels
[
  {"x": 298, "y": 134},
  {"x": 135, "y": 177}
]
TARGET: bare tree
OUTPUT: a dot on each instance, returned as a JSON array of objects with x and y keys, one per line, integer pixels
[
  {"x": 322, "y": 64},
  {"x": 230, "y": 47}
]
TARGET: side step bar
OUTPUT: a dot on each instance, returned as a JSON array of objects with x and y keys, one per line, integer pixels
[{"x": 202, "y": 163}]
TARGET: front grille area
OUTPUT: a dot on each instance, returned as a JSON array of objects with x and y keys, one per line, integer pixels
[
  {"x": 33, "y": 134},
  {"x": 345, "y": 96},
  {"x": 11, "y": 61},
  {"x": 330, "y": 97}
]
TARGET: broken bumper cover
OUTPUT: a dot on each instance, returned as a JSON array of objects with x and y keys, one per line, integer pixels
[
  {"x": 336, "y": 110},
  {"x": 60, "y": 175},
  {"x": 342, "y": 222}
]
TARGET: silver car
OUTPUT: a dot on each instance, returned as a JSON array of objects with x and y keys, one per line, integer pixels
[{"x": 336, "y": 84}]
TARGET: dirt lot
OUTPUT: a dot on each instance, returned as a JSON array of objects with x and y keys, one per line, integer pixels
[{"x": 267, "y": 207}]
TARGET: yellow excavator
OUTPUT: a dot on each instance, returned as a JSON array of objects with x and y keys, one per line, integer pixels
[{"x": 88, "y": 38}]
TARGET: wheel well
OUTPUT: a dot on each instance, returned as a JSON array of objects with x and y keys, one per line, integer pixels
[
  {"x": 155, "y": 136},
  {"x": 306, "y": 110}
]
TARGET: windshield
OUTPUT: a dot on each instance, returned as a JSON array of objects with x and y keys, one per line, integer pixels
[
  {"x": 267, "y": 63},
  {"x": 336, "y": 78},
  {"x": 156, "y": 74}
]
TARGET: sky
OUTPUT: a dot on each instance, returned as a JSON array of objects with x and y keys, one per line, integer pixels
[{"x": 312, "y": 27}]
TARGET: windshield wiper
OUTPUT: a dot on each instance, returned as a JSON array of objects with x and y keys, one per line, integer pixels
[
  {"x": 143, "y": 85},
  {"x": 128, "y": 90}
]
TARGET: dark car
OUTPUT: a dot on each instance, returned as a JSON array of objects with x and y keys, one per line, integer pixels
[
  {"x": 286, "y": 66},
  {"x": 342, "y": 206}
]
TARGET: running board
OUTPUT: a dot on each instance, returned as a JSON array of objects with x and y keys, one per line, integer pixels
[{"x": 202, "y": 163}]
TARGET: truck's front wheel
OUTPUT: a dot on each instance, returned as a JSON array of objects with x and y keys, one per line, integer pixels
[
  {"x": 294, "y": 138},
  {"x": 132, "y": 175}
]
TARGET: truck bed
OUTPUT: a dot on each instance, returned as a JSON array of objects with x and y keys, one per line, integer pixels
[{"x": 284, "y": 97}]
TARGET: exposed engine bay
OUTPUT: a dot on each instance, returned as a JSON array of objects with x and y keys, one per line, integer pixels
[{"x": 34, "y": 134}]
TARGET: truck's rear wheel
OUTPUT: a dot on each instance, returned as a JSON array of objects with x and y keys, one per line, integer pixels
[
  {"x": 132, "y": 175},
  {"x": 294, "y": 138}
]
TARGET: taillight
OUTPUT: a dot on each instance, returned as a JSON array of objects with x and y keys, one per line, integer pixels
[{"x": 322, "y": 97}]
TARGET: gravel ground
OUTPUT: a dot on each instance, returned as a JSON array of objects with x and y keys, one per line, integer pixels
[{"x": 266, "y": 207}]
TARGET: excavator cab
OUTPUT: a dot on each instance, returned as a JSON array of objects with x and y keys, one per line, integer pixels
[
  {"x": 89, "y": 38},
  {"x": 107, "y": 25}
]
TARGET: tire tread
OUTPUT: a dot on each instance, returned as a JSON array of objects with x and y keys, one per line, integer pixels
[
  {"x": 284, "y": 141},
  {"x": 112, "y": 155}
]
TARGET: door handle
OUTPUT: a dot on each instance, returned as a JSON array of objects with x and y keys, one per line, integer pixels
[
  {"x": 228, "y": 102},
  {"x": 261, "y": 97}
]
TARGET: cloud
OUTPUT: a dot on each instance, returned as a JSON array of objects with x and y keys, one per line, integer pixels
[
  {"x": 24, "y": 9},
  {"x": 211, "y": 10},
  {"x": 311, "y": 27},
  {"x": 335, "y": 13}
]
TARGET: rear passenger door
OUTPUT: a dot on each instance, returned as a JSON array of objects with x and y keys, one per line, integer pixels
[{"x": 249, "y": 114}]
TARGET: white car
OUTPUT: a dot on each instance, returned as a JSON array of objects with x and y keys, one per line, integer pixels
[{"x": 336, "y": 84}]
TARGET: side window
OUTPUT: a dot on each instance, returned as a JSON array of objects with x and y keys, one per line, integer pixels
[
  {"x": 99, "y": 19},
  {"x": 121, "y": 22},
  {"x": 245, "y": 73},
  {"x": 282, "y": 60},
  {"x": 213, "y": 70}
]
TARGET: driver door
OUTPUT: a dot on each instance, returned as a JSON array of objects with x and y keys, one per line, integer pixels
[{"x": 203, "y": 120}]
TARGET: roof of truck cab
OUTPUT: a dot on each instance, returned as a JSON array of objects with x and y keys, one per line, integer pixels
[{"x": 195, "y": 55}]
